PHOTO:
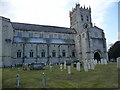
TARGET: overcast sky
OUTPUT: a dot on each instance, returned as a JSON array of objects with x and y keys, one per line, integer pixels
[{"x": 56, "y": 13}]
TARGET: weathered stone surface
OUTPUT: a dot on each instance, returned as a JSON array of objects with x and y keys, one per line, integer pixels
[{"x": 118, "y": 62}]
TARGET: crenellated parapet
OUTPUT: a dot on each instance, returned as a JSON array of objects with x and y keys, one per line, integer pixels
[{"x": 81, "y": 8}]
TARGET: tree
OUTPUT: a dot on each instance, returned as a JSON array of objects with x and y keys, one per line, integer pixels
[{"x": 114, "y": 51}]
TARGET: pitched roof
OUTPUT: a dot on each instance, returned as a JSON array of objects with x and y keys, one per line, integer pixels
[{"x": 41, "y": 28}]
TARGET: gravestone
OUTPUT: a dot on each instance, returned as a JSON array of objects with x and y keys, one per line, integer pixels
[
  {"x": 92, "y": 65},
  {"x": 61, "y": 67},
  {"x": 101, "y": 61},
  {"x": 64, "y": 64},
  {"x": 78, "y": 66},
  {"x": 105, "y": 61},
  {"x": 95, "y": 61},
  {"x": 88, "y": 64},
  {"x": 85, "y": 67},
  {"x": 69, "y": 69},
  {"x": 18, "y": 81},
  {"x": 98, "y": 62},
  {"x": 51, "y": 68},
  {"x": 118, "y": 62},
  {"x": 43, "y": 80}
]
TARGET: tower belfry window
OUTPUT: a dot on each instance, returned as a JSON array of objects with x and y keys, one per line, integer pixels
[
  {"x": 82, "y": 17},
  {"x": 87, "y": 18},
  {"x": 63, "y": 53}
]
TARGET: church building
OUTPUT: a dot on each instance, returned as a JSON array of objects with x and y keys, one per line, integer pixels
[{"x": 31, "y": 43}]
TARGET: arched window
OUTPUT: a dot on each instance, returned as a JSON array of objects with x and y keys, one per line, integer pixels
[
  {"x": 53, "y": 53},
  {"x": 73, "y": 53},
  {"x": 31, "y": 54},
  {"x": 82, "y": 17},
  {"x": 19, "y": 54},
  {"x": 43, "y": 53},
  {"x": 63, "y": 53}
]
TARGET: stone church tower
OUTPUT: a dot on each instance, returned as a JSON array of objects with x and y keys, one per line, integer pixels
[
  {"x": 90, "y": 42},
  {"x": 6, "y": 36}
]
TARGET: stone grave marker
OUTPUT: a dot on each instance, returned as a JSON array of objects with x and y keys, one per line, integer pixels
[
  {"x": 61, "y": 67},
  {"x": 85, "y": 67},
  {"x": 69, "y": 69},
  {"x": 78, "y": 66},
  {"x": 43, "y": 80},
  {"x": 64, "y": 64},
  {"x": 95, "y": 61},
  {"x": 98, "y": 62},
  {"x": 105, "y": 61},
  {"x": 18, "y": 81},
  {"x": 118, "y": 62},
  {"x": 88, "y": 64},
  {"x": 101, "y": 61},
  {"x": 51, "y": 68}
]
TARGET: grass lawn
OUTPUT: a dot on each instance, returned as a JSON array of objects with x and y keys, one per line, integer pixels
[{"x": 104, "y": 76}]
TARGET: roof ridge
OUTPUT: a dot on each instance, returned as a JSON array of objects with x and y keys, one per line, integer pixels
[{"x": 40, "y": 25}]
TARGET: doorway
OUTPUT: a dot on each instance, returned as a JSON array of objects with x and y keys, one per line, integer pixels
[{"x": 97, "y": 56}]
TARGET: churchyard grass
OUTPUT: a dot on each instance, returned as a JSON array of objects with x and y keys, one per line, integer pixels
[{"x": 104, "y": 76}]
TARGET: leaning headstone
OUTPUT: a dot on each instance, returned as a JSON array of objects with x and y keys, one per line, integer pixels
[
  {"x": 69, "y": 70},
  {"x": 78, "y": 66},
  {"x": 43, "y": 80},
  {"x": 118, "y": 62},
  {"x": 61, "y": 67},
  {"x": 64, "y": 64}
]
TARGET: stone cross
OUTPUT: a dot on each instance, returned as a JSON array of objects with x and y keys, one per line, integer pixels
[
  {"x": 64, "y": 64},
  {"x": 78, "y": 66},
  {"x": 61, "y": 67},
  {"x": 69, "y": 70},
  {"x": 43, "y": 80}
]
